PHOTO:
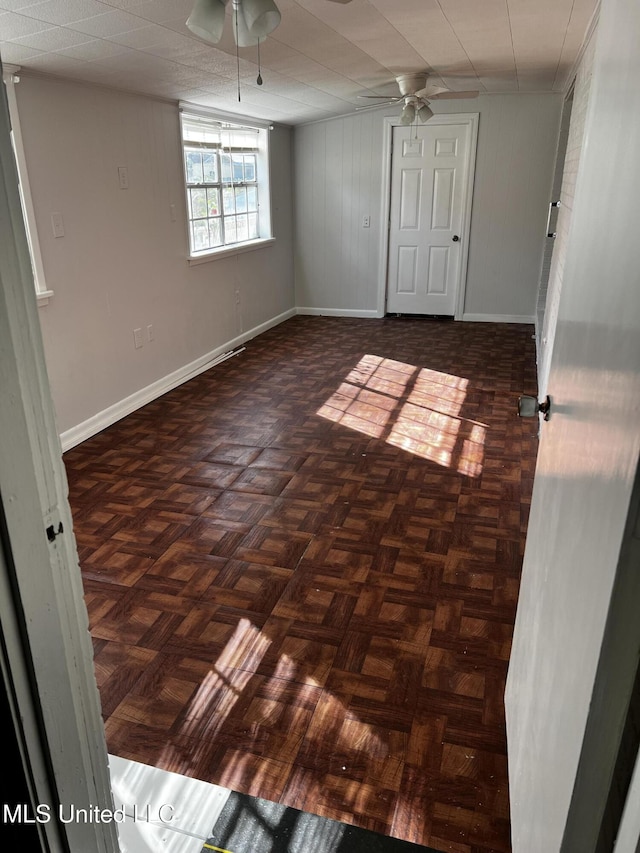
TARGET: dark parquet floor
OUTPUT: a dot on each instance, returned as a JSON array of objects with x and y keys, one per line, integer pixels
[{"x": 302, "y": 566}]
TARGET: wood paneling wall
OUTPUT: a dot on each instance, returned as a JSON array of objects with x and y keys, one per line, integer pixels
[{"x": 339, "y": 179}]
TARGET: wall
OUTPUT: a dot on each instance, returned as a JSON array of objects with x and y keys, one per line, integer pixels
[
  {"x": 339, "y": 179},
  {"x": 122, "y": 261}
]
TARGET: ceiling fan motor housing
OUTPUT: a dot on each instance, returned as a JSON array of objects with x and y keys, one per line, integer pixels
[{"x": 409, "y": 84}]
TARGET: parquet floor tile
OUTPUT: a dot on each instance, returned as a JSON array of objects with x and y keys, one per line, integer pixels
[{"x": 302, "y": 567}]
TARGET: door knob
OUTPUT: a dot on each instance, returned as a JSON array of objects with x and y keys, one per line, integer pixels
[
  {"x": 528, "y": 407},
  {"x": 455, "y": 238}
]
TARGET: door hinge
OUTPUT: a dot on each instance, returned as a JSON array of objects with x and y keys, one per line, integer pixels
[{"x": 52, "y": 533}]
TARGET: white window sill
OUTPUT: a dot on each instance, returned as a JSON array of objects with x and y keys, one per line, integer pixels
[
  {"x": 43, "y": 297},
  {"x": 228, "y": 251}
]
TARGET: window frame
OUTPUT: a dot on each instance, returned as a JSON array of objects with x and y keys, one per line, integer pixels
[
  {"x": 11, "y": 78},
  {"x": 222, "y": 121}
]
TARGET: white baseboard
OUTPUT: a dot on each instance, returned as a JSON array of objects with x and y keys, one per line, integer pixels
[
  {"x": 499, "y": 318},
  {"x": 373, "y": 314},
  {"x": 95, "y": 424},
  {"x": 339, "y": 312}
]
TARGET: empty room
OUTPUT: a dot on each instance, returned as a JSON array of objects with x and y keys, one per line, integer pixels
[{"x": 318, "y": 476}]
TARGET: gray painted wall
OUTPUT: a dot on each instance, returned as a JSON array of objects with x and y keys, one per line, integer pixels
[
  {"x": 339, "y": 179},
  {"x": 122, "y": 262}
]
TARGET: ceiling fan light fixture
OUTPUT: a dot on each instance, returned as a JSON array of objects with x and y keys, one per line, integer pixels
[
  {"x": 252, "y": 20},
  {"x": 261, "y": 17},
  {"x": 425, "y": 113},
  {"x": 408, "y": 114},
  {"x": 241, "y": 32},
  {"x": 207, "y": 20}
]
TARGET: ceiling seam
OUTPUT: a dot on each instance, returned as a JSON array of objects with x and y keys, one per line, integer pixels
[
  {"x": 462, "y": 47},
  {"x": 364, "y": 52},
  {"x": 564, "y": 41},
  {"x": 513, "y": 50}
]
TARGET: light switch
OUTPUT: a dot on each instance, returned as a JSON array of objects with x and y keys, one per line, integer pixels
[{"x": 57, "y": 224}]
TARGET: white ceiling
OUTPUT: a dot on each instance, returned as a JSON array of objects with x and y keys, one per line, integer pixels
[{"x": 321, "y": 57}]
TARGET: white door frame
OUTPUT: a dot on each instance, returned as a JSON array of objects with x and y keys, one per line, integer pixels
[
  {"x": 470, "y": 119},
  {"x": 47, "y": 658}
]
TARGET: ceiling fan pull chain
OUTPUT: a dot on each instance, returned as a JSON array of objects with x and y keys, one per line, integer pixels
[
  {"x": 259, "y": 80},
  {"x": 235, "y": 9}
]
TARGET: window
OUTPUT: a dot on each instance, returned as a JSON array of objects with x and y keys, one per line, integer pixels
[
  {"x": 10, "y": 79},
  {"x": 226, "y": 169}
]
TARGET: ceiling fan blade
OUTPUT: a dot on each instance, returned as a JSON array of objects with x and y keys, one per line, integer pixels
[
  {"x": 340, "y": 1},
  {"x": 448, "y": 95},
  {"x": 381, "y": 98},
  {"x": 371, "y": 106},
  {"x": 430, "y": 91}
]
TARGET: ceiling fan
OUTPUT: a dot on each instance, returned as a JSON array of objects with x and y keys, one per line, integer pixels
[
  {"x": 253, "y": 20},
  {"x": 416, "y": 92}
]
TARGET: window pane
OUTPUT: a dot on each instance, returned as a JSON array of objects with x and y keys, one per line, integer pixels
[
  {"x": 200, "y": 235},
  {"x": 241, "y": 200},
  {"x": 228, "y": 204},
  {"x": 242, "y": 228},
  {"x": 210, "y": 168},
  {"x": 225, "y": 166},
  {"x": 253, "y": 226},
  {"x": 230, "y": 231},
  {"x": 215, "y": 232},
  {"x": 238, "y": 170},
  {"x": 198, "y": 203},
  {"x": 252, "y": 198},
  {"x": 194, "y": 167},
  {"x": 249, "y": 167},
  {"x": 213, "y": 202}
]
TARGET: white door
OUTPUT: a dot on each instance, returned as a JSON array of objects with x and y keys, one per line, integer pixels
[
  {"x": 429, "y": 188},
  {"x": 577, "y": 632}
]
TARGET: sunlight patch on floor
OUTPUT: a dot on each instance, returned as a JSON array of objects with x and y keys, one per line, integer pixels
[{"x": 414, "y": 409}]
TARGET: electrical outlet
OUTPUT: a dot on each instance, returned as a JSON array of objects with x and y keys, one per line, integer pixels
[
  {"x": 366, "y": 221},
  {"x": 150, "y": 333},
  {"x": 138, "y": 340},
  {"x": 123, "y": 177},
  {"x": 237, "y": 297},
  {"x": 172, "y": 212}
]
